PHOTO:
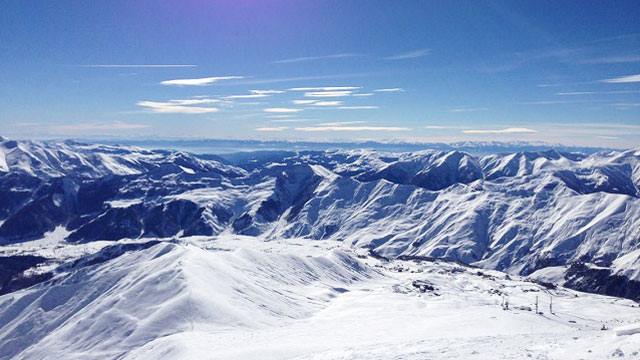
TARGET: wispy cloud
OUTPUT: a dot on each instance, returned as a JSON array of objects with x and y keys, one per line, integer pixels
[
  {"x": 281, "y": 110},
  {"x": 280, "y": 116},
  {"x": 409, "y": 55},
  {"x": 512, "y": 130},
  {"x": 328, "y": 93},
  {"x": 186, "y": 106},
  {"x": 326, "y": 88},
  {"x": 272, "y": 129},
  {"x": 327, "y": 103},
  {"x": 314, "y": 58},
  {"x": 139, "y": 66},
  {"x": 389, "y": 90},
  {"x": 303, "y": 102},
  {"x": 359, "y": 107},
  {"x": 199, "y": 81},
  {"x": 246, "y": 96},
  {"x": 266, "y": 92},
  {"x": 351, "y": 128},
  {"x": 363, "y": 94},
  {"x": 573, "y": 93},
  {"x": 465, "y": 110},
  {"x": 554, "y": 102},
  {"x": 623, "y": 79},
  {"x": 619, "y": 59},
  {"x": 306, "y": 78},
  {"x": 318, "y": 102}
]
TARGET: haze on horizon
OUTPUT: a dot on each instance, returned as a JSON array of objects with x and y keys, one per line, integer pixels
[{"x": 560, "y": 72}]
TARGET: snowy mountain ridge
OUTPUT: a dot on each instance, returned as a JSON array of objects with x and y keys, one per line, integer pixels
[{"x": 517, "y": 212}]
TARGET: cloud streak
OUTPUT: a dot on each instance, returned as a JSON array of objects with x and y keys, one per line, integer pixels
[
  {"x": 199, "y": 81},
  {"x": 137, "y": 66},
  {"x": 327, "y": 103},
  {"x": 328, "y": 93},
  {"x": 623, "y": 79},
  {"x": 409, "y": 55},
  {"x": 179, "y": 106},
  {"x": 272, "y": 129},
  {"x": 389, "y": 90},
  {"x": 465, "y": 110},
  {"x": 620, "y": 59},
  {"x": 512, "y": 130},
  {"x": 315, "y": 58},
  {"x": 351, "y": 128},
  {"x": 246, "y": 96},
  {"x": 326, "y": 88},
  {"x": 280, "y": 110}
]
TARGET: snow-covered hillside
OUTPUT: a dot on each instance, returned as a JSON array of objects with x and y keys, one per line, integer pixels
[
  {"x": 241, "y": 298},
  {"x": 518, "y": 212}
]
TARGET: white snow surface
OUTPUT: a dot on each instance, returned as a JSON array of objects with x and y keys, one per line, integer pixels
[{"x": 242, "y": 298}]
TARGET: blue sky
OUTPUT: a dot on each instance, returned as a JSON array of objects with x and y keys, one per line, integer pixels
[{"x": 560, "y": 72}]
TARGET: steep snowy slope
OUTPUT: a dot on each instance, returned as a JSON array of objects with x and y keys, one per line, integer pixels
[
  {"x": 247, "y": 299},
  {"x": 105, "y": 310}
]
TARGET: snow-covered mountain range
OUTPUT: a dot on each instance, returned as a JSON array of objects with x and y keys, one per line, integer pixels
[
  {"x": 124, "y": 253},
  {"x": 541, "y": 213}
]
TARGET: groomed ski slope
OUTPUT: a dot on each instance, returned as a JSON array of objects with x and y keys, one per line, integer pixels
[{"x": 242, "y": 298}]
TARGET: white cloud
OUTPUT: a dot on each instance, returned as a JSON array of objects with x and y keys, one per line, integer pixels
[
  {"x": 460, "y": 110},
  {"x": 266, "y": 92},
  {"x": 199, "y": 81},
  {"x": 139, "y": 66},
  {"x": 327, "y": 103},
  {"x": 623, "y": 79},
  {"x": 280, "y": 116},
  {"x": 501, "y": 131},
  {"x": 389, "y": 90},
  {"x": 326, "y": 88},
  {"x": 313, "y": 58},
  {"x": 272, "y": 129},
  {"x": 246, "y": 96},
  {"x": 198, "y": 101},
  {"x": 598, "y": 92},
  {"x": 281, "y": 110},
  {"x": 328, "y": 93},
  {"x": 179, "y": 106},
  {"x": 359, "y": 107},
  {"x": 351, "y": 128},
  {"x": 304, "y": 102},
  {"x": 570, "y": 93},
  {"x": 363, "y": 94},
  {"x": 409, "y": 55}
]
